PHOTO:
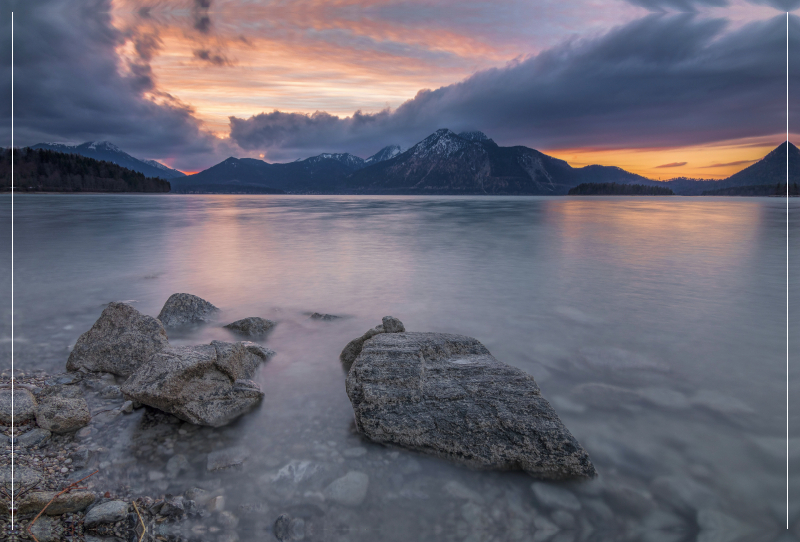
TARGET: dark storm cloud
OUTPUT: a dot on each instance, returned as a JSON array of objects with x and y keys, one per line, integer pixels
[
  {"x": 71, "y": 86},
  {"x": 783, "y": 5},
  {"x": 659, "y": 81}
]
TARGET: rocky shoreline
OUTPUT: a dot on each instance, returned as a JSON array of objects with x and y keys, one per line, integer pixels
[{"x": 125, "y": 376}]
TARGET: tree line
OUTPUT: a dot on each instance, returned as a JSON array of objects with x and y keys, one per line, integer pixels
[
  {"x": 42, "y": 170},
  {"x": 615, "y": 189}
]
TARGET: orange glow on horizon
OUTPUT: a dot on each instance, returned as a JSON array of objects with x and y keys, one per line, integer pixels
[{"x": 710, "y": 161}]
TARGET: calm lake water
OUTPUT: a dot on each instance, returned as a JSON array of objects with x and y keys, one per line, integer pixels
[{"x": 655, "y": 327}]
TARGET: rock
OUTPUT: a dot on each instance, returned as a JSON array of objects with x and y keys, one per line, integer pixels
[
  {"x": 24, "y": 477},
  {"x": 446, "y": 395},
  {"x": 200, "y": 496},
  {"x": 296, "y": 471},
  {"x": 32, "y": 438},
  {"x": 460, "y": 491},
  {"x": 61, "y": 414},
  {"x": 215, "y": 504},
  {"x": 392, "y": 325},
  {"x": 349, "y": 490},
  {"x": 203, "y": 384},
  {"x": 173, "y": 507},
  {"x": 47, "y": 529},
  {"x": 119, "y": 342},
  {"x": 34, "y": 501},
  {"x": 555, "y": 497},
  {"x": 107, "y": 512},
  {"x": 324, "y": 317},
  {"x": 353, "y": 348},
  {"x": 24, "y": 405},
  {"x": 127, "y": 407},
  {"x": 252, "y": 326},
  {"x": 227, "y": 520},
  {"x": 282, "y": 528},
  {"x": 176, "y": 465},
  {"x": 111, "y": 392},
  {"x": 182, "y": 309},
  {"x": 225, "y": 459}
]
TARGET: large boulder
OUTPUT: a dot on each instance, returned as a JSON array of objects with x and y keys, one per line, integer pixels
[
  {"x": 446, "y": 395},
  {"x": 353, "y": 349},
  {"x": 118, "y": 342},
  {"x": 184, "y": 309},
  {"x": 205, "y": 384}
]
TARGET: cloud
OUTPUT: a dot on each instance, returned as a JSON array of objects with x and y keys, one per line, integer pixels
[
  {"x": 70, "y": 85},
  {"x": 661, "y": 81},
  {"x": 783, "y": 5},
  {"x": 738, "y": 163},
  {"x": 678, "y": 5},
  {"x": 673, "y": 164}
]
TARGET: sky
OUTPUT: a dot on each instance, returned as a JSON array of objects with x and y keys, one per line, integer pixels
[{"x": 663, "y": 88}]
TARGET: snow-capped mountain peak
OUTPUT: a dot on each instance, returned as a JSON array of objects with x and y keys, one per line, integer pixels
[{"x": 386, "y": 153}]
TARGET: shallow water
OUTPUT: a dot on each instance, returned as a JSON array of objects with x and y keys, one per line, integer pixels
[{"x": 655, "y": 327}]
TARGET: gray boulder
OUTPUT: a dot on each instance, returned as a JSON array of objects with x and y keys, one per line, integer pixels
[
  {"x": 252, "y": 326},
  {"x": 183, "y": 309},
  {"x": 204, "y": 384},
  {"x": 353, "y": 348},
  {"x": 446, "y": 395},
  {"x": 118, "y": 342},
  {"x": 24, "y": 405}
]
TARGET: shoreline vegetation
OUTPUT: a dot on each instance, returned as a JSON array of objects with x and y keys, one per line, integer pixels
[
  {"x": 614, "y": 189},
  {"x": 50, "y": 171}
]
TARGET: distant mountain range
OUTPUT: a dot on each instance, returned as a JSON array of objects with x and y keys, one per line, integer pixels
[
  {"x": 104, "y": 150},
  {"x": 442, "y": 163}
]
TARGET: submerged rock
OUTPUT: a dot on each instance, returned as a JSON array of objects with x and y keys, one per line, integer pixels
[
  {"x": 324, "y": 317},
  {"x": 204, "y": 384},
  {"x": 349, "y": 490},
  {"x": 252, "y": 326},
  {"x": 120, "y": 341},
  {"x": 183, "y": 309},
  {"x": 353, "y": 348},
  {"x": 446, "y": 395}
]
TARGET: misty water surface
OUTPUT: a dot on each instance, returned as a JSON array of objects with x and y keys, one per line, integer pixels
[{"x": 655, "y": 327}]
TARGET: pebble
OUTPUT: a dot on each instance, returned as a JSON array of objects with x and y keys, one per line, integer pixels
[{"x": 224, "y": 459}]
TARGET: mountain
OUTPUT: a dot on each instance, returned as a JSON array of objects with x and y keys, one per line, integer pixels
[
  {"x": 104, "y": 150},
  {"x": 43, "y": 170},
  {"x": 321, "y": 173},
  {"x": 769, "y": 170},
  {"x": 472, "y": 163},
  {"x": 384, "y": 154}
]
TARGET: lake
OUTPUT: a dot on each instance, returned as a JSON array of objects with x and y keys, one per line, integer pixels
[{"x": 656, "y": 327}]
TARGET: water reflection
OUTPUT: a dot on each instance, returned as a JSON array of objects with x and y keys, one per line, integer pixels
[{"x": 655, "y": 327}]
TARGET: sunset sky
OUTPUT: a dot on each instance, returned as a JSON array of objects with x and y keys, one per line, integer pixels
[{"x": 663, "y": 88}]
